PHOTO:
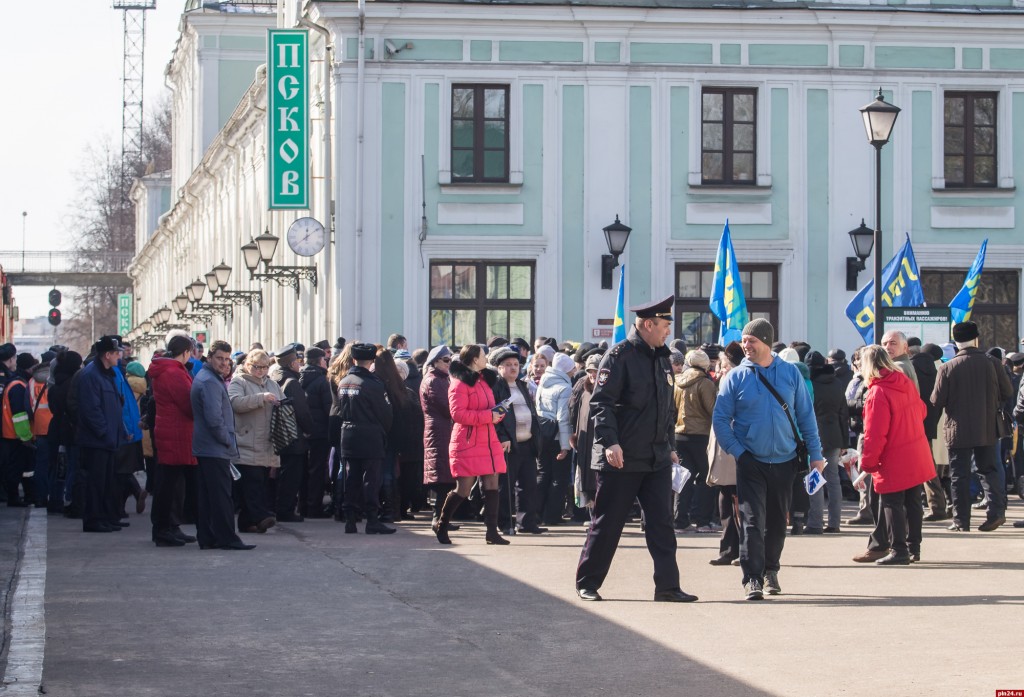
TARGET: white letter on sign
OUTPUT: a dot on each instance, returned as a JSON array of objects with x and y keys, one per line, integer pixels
[
  {"x": 288, "y": 151},
  {"x": 287, "y": 121},
  {"x": 283, "y": 60},
  {"x": 288, "y": 185},
  {"x": 287, "y": 86}
]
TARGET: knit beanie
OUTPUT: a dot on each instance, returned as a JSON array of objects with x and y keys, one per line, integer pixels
[
  {"x": 698, "y": 359},
  {"x": 563, "y": 363},
  {"x": 547, "y": 351},
  {"x": 761, "y": 329}
]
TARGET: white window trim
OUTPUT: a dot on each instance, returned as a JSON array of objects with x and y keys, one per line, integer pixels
[
  {"x": 515, "y": 133},
  {"x": 763, "y": 153},
  {"x": 1004, "y": 141}
]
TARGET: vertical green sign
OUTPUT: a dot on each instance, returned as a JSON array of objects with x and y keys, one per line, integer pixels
[
  {"x": 288, "y": 115},
  {"x": 124, "y": 313}
]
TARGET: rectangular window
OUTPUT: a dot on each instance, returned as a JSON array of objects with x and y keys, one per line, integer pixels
[
  {"x": 694, "y": 322},
  {"x": 728, "y": 136},
  {"x": 995, "y": 305},
  {"x": 480, "y": 133},
  {"x": 471, "y": 301},
  {"x": 969, "y": 139}
]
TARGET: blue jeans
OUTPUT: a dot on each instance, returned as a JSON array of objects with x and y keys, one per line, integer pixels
[{"x": 815, "y": 515}]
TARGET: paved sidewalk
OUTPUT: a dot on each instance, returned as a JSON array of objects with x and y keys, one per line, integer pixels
[{"x": 312, "y": 611}]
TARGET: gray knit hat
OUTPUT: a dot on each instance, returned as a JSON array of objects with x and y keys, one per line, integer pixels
[{"x": 761, "y": 329}]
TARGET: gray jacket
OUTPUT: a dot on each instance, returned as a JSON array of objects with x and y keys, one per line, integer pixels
[
  {"x": 252, "y": 419},
  {"x": 213, "y": 421}
]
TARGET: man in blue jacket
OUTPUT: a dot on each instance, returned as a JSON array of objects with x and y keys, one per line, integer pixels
[
  {"x": 100, "y": 433},
  {"x": 214, "y": 445},
  {"x": 752, "y": 426}
]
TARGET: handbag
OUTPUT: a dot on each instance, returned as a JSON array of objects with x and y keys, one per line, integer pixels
[
  {"x": 722, "y": 471},
  {"x": 284, "y": 429},
  {"x": 803, "y": 459},
  {"x": 1004, "y": 423}
]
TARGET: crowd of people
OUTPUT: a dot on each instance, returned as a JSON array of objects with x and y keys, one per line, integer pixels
[{"x": 524, "y": 437}]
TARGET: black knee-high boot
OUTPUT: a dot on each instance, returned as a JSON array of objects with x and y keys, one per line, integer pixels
[
  {"x": 451, "y": 502},
  {"x": 491, "y": 518}
]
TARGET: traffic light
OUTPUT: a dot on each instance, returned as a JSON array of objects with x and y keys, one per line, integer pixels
[
  {"x": 53, "y": 316},
  {"x": 54, "y": 297}
]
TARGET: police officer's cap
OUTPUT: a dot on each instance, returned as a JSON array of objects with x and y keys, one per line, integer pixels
[
  {"x": 287, "y": 354},
  {"x": 661, "y": 309},
  {"x": 364, "y": 352}
]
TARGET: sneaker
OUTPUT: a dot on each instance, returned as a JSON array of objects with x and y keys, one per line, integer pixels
[
  {"x": 771, "y": 583},
  {"x": 753, "y": 589}
]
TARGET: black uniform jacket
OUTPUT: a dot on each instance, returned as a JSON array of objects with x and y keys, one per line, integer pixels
[
  {"x": 632, "y": 406},
  {"x": 365, "y": 415}
]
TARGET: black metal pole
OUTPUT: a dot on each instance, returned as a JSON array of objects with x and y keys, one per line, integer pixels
[{"x": 878, "y": 244}]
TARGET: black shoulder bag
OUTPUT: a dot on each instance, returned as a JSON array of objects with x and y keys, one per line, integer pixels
[{"x": 803, "y": 458}]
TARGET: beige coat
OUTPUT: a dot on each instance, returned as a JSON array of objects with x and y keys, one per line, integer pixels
[
  {"x": 695, "y": 395},
  {"x": 252, "y": 419}
]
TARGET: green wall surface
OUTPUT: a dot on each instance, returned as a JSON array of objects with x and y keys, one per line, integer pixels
[
  {"x": 480, "y": 50},
  {"x": 788, "y": 54},
  {"x": 936, "y": 57},
  {"x": 679, "y": 144},
  {"x": 541, "y": 51},
  {"x": 818, "y": 233},
  {"x": 638, "y": 273},
  {"x": 572, "y": 244},
  {"x": 392, "y": 206},
  {"x": 427, "y": 50},
  {"x": 607, "y": 51},
  {"x": 686, "y": 54},
  {"x": 234, "y": 77},
  {"x": 1006, "y": 58}
]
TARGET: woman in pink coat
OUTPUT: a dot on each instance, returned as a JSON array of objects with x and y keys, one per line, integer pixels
[
  {"x": 895, "y": 451},
  {"x": 474, "y": 449}
]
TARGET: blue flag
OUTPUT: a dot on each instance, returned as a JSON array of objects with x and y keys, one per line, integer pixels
[
  {"x": 619, "y": 328},
  {"x": 962, "y": 305},
  {"x": 727, "y": 302},
  {"x": 901, "y": 287}
]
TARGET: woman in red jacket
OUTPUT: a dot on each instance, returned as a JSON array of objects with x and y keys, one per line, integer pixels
[
  {"x": 895, "y": 451},
  {"x": 172, "y": 438},
  {"x": 474, "y": 449}
]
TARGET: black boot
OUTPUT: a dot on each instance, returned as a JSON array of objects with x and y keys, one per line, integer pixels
[
  {"x": 350, "y": 522},
  {"x": 374, "y": 526},
  {"x": 491, "y": 518},
  {"x": 442, "y": 526}
]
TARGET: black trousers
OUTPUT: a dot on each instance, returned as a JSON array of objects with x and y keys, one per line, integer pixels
[
  {"x": 696, "y": 501},
  {"x": 521, "y": 463},
  {"x": 252, "y": 496},
  {"x": 616, "y": 492},
  {"x": 903, "y": 516},
  {"x": 764, "y": 492},
  {"x": 169, "y": 496},
  {"x": 362, "y": 486},
  {"x": 729, "y": 545},
  {"x": 986, "y": 460},
  {"x": 316, "y": 476},
  {"x": 215, "y": 522},
  {"x": 289, "y": 481},
  {"x": 96, "y": 468},
  {"x": 878, "y": 539},
  {"x": 553, "y": 476}
]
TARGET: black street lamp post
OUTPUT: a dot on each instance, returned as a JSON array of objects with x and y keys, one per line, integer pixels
[{"x": 879, "y": 118}]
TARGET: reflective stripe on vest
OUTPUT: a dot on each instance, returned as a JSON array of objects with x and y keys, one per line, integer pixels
[{"x": 9, "y": 418}]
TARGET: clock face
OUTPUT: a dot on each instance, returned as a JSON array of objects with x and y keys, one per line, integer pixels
[{"x": 306, "y": 237}]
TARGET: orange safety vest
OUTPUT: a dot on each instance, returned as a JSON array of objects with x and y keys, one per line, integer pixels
[
  {"x": 8, "y": 416},
  {"x": 41, "y": 415}
]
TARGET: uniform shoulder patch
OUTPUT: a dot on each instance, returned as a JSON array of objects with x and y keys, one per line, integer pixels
[
  {"x": 603, "y": 375},
  {"x": 618, "y": 348}
]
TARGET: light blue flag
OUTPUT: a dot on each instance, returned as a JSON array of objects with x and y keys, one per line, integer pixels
[
  {"x": 727, "y": 301},
  {"x": 963, "y": 303},
  {"x": 619, "y": 328},
  {"x": 901, "y": 287}
]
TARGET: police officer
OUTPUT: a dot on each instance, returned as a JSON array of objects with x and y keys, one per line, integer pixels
[
  {"x": 365, "y": 421},
  {"x": 634, "y": 417}
]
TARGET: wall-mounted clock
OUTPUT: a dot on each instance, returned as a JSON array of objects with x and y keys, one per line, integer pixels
[{"x": 307, "y": 236}]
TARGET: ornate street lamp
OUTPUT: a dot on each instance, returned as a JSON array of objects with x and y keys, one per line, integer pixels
[
  {"x": 863, "y": 239},
  {"x": 615, "y": 236}
]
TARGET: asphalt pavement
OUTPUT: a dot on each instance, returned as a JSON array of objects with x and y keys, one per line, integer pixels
[{"x": 312, "y": 611}]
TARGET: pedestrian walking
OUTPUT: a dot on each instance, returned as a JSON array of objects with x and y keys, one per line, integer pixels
[{"x": 634, "y": 418}]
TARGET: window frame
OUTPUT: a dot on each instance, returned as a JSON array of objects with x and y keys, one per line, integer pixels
[
  {"x": 480, "y": 303},
  {"x": 969, "y": 96},
  {"x": 479, "y": 120},
  {"x": 769, "y": 306},
  {"x": 947, "y": 281},
  {"x": 728, "y": 123}
]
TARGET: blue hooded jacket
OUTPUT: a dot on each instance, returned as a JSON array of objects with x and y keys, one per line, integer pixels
[
  {"x": 129, "y": 409},
  {"x": 748, "y": 418}
]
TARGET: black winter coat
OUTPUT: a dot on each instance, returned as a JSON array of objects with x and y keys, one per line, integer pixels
[
  {"x": 410, "y": 449},
  {"x": 366, "y": 415},
  {"x": 292, "y": 389},
  {"x": 313, "y": 380},
  {"x": 438, "y": 424},
  {"x": 924, "y": 366},
  {"x": 63, "y": 424},
  {"x": 633, "y": 406},
  {"x": 506, "y": 428},
  {"x": 830, "y": 408}
]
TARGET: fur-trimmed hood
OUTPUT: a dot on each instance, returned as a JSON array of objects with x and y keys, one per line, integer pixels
[{"x": 463, "y": 373}]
